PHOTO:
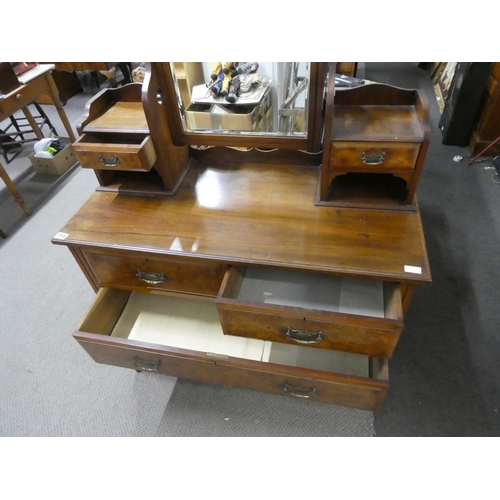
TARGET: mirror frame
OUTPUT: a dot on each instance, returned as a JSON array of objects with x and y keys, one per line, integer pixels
[{"x": 311, "y": 142}]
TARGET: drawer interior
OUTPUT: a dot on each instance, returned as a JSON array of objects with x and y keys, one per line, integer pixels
[
  {"x": 313, "y": 291},
  {"x": 191, "y": 323},
  {"x": 119, "y": 139},
  {"x": 185, "y": 323}
]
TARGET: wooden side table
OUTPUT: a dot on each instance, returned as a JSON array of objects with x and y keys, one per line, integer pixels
[{"x": 34, "y": 83}]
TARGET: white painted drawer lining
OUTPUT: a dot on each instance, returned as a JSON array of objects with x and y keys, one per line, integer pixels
[
  {"x": 190, "y": 323},
  {"x": 313, "y": 291}
]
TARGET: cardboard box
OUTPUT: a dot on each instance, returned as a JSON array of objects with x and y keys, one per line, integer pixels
[
  {"x": 220, "y": 116},
  {"x": 57, "y": 165}
]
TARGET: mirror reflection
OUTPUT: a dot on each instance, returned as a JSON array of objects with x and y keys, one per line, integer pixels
[{"x": 262, "y": 98}]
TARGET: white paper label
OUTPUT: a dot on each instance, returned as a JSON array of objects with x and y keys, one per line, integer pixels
[
  {"x": 413, "y": 269},
  {"x": 61, "y": 236}
]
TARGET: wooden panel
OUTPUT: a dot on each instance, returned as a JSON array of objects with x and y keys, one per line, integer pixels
[
  {"x": 111, "y": 270},
  {"x": 264, "y": 215},
  {"x": 346, "y": 68},
  {"x": 103, "y": 313},
  {"x": 355, "y": 155},
  {"x": 487, "y": 129}
]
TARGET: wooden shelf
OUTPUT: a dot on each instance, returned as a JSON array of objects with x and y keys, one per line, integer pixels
[
  {"x": 148, "y": 184},
  {"x": 376, "y": 123},
  {"x": 124, "y": 117},
  {"x": 363, "y": 190}
]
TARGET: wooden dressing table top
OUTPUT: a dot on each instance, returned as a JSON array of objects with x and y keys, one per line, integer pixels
[{"x": 259, "y": 215}]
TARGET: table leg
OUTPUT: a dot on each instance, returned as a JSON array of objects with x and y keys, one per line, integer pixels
[
  {"x": 32, "y": 122},
  {"x": 12, "y": 188},
  {"x": 54, "y": 94}
]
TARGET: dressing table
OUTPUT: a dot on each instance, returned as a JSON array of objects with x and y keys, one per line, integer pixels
[{"x": 227, "y": 270}]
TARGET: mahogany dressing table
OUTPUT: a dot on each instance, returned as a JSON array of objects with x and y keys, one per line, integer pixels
[{"x": 238, "y": 276}]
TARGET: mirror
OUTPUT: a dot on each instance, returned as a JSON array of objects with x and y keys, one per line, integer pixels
[{"x": 252, "y": 98}]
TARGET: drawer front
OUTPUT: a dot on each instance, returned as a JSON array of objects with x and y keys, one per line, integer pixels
[
  {"x": 22, "y": 97},
  {"x": 139, "y": 157},
  {"x": 95, "y": 336},
  {"x": 313, "y": 327},
  {"x": 354, "y": 392},
  {"x": 149, "y": 274},
  {"x": 341, "y": 336},
  {"x": 374, "y": 155}
]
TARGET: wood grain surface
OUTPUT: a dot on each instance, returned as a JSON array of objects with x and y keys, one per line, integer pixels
[{"x": 255, "y": 214}]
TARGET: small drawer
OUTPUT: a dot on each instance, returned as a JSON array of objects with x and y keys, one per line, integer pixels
[
  {"x": 373, "y": 155},
  {"x": 21, "y": 97},
  {"x": 182, "y": 337},
  {"x": 150, "y": 274},
  {"x": 322, "y": 311},
  {"x": 115, "y": 152}
]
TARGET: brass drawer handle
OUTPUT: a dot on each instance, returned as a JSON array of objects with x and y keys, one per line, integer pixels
[
  {"x": 303, "y": 336},
  {"x": 109, "y": 161},
  {"x": 301, "y": 392},
  {"x": 151, "y": 277},
  {"x": 144, "y": 365},
  {"x": 373, "y": 158}
]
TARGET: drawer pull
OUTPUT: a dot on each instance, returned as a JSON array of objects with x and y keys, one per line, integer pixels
[
  {"x": 109, "y": 161},
  {"x": 144, "y": 365},
  {"x": 303, "y": 336},
  {"x": 373, "y": 158},
  {"x": 300, "y": 392},
  {"x": 151, "y": 277}
]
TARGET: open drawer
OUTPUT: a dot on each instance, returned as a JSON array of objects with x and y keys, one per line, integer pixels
[
  {"x": 301, "y": 308},
  {"x": 105, "y": 151},
  {"x": 183, "y": 337}
]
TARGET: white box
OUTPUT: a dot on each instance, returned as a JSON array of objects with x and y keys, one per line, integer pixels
[{"x": 57, "y": 165}]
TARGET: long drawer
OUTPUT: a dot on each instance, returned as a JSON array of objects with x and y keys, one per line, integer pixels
[
  {"x": 128, "y": 152},
  {"x": 134, "y": 273},
  {"x": 322, "y": 311},
  {"x": 183, "y": 337},
  {"x": 380, "y": 155}
]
